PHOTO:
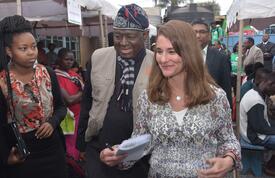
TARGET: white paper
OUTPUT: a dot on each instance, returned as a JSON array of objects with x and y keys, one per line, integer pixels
[{"x": 134, "y": 147}]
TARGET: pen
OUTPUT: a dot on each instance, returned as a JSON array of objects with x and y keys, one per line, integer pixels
[{"x": 108, "y": 146}]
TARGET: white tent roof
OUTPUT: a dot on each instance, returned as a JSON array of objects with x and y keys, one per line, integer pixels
[
  {"x": 259, "y": 13},
  {"x": 51, "y": 16},
  {"x": 54, "y": 10}
]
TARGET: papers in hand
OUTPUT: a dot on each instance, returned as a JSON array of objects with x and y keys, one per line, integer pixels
[{"x": 134, "y": 147}]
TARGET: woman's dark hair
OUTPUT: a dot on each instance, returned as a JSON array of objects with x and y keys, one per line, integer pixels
[
  {"x": 9, "y": 27},
  {"x": 235, "y": 47},
  {"x": 61, "y": 53}
]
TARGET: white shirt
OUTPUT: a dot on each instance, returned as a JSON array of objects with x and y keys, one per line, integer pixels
[
  {"x": 204, "y": 53},
  {"x": 179, "y": 115}
]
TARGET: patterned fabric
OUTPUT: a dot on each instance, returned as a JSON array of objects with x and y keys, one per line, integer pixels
[
  {"x": 71, "y": 82},
  {"x": 72, "y": 76},
  {"x": 33, "y": 101},
  {"x": 179, "y": 150},
  {"x": 127, "y": 81},
  {"x": 131, "y": 17}
]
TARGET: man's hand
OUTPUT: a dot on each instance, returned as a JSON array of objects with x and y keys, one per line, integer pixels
[
  {"x": 110, "y": 158},
  {"x": 82, "y": 156}
]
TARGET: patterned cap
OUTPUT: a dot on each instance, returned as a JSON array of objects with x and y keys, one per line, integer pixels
[{"x": 131, "y": 17}]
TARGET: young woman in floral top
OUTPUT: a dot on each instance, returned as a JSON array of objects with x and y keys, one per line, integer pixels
[
  {"x": 187, "y": 115},
  {"x": 36, "y": 105}
]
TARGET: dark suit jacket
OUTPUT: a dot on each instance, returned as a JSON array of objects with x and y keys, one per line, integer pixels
[
  {"x": 219, "y": 68},
  {"x": 268, "y": 48}
]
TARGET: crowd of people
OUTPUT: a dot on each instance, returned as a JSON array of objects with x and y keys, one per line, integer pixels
[
  {"x": 179, "y": 92},
  {"x": 257, "y": 89}
]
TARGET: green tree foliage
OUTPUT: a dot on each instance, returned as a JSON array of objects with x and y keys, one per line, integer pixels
[
  {"x": 213, "y": 5},
  {"x": 165, "y": 3}
]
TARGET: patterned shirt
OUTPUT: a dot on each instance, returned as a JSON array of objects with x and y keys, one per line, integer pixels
[
  {"x": 33, "y": 101},
  {"x": 179, "y": 149}
]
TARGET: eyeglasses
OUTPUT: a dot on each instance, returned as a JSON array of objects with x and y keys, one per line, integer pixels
[{"x": 201, "y": 31}]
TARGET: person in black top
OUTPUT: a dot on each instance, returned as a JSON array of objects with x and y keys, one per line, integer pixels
[
  {"x": 29, "y": 97},
  {"x": 114, "y": 75},
  {"x": 268, "y": 49}
]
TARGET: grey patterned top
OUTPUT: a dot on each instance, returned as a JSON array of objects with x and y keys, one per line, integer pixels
[{"x": 179, "y": 150}]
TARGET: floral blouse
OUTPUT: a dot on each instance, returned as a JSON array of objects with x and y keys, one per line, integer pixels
[
  {"x": 179, "y": 149},
  {"x": 33, "y": 101}
]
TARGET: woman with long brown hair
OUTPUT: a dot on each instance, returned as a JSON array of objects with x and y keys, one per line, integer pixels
[{"x": 186, "y": 113}]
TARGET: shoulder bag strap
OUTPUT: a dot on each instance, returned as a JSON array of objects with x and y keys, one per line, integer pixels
[{"x": 10, "y": 95}]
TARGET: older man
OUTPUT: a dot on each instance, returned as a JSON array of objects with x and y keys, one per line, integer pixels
[
  {"x": 253, "y": 54},
  {"x": 116, "y": 78}
]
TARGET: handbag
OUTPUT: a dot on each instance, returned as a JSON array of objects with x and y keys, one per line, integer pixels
[
  {"x": 14, "y": 137},
  {"x": 68, "y": 123}
]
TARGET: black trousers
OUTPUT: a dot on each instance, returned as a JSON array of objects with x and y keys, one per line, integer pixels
[
  {"x": 46, "y": 159},
  {"x": 97, "y": 169}
]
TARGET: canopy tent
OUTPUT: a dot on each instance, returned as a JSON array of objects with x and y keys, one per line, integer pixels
[
  {"x": 55, "y": 10},
  {"x": 50, "y": 16},
  {"x": 258, "y": 13},
  {"x": 248, "y": 30}
]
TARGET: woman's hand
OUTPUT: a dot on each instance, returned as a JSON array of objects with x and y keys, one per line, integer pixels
[
  {"x": 44, "y": 131},
  {"x": 219, "y": 168},
  {"x": 110, "y": 158},
  {"x": 14, "y": 157},
  {"x": 82, "y": 156}
]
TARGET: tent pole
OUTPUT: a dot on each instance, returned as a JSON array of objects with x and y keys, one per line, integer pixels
[
  {"x": 240, "y": 61},
  {"x": 19, "y": 7},
  {"x": 101, "y": 29},
  {"x": 240, "y": 49},
  {"x": 106, "y": 30}
]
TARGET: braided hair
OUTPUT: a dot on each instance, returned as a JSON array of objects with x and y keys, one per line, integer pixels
[{"x": 9, "y": 27}]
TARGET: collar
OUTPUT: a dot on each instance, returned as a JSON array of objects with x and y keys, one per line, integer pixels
[
  {"x": 204, "y": 53},
  {"x": 265, "y": 42},
  {"x": 140, "y": 55},
  {"x": 205, "y": 49}
]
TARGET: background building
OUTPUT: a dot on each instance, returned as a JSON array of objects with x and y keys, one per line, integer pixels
[{"x": 189, "y": 13}]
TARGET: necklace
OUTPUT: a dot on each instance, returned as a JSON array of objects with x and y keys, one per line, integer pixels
[{"x": 178, "y": 98}]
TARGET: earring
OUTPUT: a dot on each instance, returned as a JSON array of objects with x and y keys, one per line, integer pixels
[{"x": 10, "y": 61}]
